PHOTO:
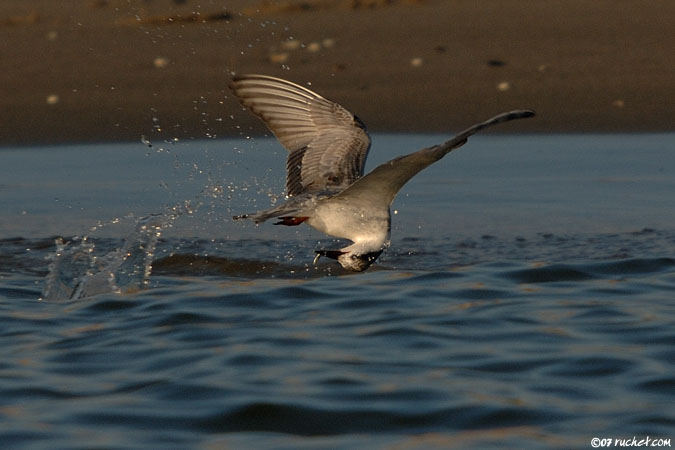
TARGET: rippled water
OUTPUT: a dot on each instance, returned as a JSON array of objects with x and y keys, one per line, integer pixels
[{"x": 526, "y": 301}]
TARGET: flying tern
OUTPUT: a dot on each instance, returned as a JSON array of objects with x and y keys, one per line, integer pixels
[{"x": 325, "y": 184}]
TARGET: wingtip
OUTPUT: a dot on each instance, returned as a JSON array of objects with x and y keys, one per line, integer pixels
[
  {"x": 254, "y": 76},
  {"x": 238, "y": 78},
  {"x": 522, "y": 113},
  {"x": 241, "y": 76},
  {"x": 513, "y": 115}
]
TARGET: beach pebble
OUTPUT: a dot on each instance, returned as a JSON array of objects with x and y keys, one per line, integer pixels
[
  {"x": 416, "y": 62},
  {"x": 328, "y": 42},
  {"x": 503, "y": 86},
  {"x": 278, "y": 58},
  {"x": 313, "y": 47},
  {"x": 496, "y": 63},
  {"x": 52, "y": 99},
  {"x": 160, "y": 62},
  {"x": 291, "y": 44},
  {"x": 338, "y": 67}
]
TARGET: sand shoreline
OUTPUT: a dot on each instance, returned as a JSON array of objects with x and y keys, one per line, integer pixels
[{"x": 110, "y": 70}]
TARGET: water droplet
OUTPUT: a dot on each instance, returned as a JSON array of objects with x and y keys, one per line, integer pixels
[{"x": 145, "y": 141}]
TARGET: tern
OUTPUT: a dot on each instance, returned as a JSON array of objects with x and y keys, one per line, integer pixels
[{"x": 325, "y": 184}]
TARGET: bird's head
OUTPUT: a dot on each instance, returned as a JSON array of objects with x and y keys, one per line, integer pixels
[{"x": 350, "y": 260}]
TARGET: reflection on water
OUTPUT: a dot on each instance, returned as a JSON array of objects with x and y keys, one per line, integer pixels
[{"x": 526, "y": 301}]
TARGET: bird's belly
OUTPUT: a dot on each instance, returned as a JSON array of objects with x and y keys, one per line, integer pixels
[{"x": 353, "y": 223}]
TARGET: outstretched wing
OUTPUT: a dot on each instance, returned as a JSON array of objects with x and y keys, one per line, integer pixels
[
  {"x": 380, "y": 186},
  {"x": 328, "y": 145}
]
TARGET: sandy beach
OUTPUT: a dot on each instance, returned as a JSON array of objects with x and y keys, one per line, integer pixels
[{"x": 116, "y": 70}]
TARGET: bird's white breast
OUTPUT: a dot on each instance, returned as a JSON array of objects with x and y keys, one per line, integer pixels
[{"x": 358, "y": 223}]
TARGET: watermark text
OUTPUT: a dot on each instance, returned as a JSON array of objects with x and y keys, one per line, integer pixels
[{"x": 610, "y": 442}]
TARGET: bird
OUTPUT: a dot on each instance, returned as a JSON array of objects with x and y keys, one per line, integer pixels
[{"x": 325, "y": 183}]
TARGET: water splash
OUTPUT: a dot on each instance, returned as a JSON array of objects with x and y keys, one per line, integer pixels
[
  {"x": 89, "y": 265},
  {"x": 84, "y": 267},
  {"x": 116, "y": 255}
]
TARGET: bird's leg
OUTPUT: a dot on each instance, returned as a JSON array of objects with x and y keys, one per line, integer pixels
[
  {"x": 333, "y": 254},
  {"x": 291, "y": 221}
]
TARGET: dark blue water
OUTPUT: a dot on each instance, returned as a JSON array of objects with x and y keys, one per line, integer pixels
[{"x": 526, "y": 301}]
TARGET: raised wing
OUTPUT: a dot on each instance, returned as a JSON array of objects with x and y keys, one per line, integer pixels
[
  {"x": 328, "y": 145},
  {"x": 380, "y": 186}
]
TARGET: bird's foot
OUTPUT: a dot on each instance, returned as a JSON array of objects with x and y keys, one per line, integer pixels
[{"x": 333, "y": 254}]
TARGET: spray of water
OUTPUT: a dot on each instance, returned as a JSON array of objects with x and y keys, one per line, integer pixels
[
  {"x": 89, "y": 265},
  {"x": 84, "y": 266}
]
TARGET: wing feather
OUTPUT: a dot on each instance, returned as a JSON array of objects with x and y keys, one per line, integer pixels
[
  {"x": 380, "y": 186},
  {"x": 328, "y": 145}
]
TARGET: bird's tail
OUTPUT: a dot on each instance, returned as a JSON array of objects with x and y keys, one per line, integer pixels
[{"x": 291, "y": 208}]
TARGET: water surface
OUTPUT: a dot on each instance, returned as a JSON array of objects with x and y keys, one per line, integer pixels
[{"x": 525, "y": 302}]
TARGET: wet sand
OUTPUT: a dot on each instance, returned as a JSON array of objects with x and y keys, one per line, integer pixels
[{"x": 116, "y": 70}]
